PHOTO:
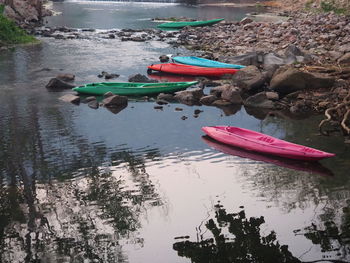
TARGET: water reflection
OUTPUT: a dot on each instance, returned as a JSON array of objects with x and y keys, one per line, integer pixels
[
  {"x": 235, "y": 238},
  {"x": 83, "y": 214}
]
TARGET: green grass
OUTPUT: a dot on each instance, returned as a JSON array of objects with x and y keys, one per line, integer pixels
[{"x": 11, "y": 34}]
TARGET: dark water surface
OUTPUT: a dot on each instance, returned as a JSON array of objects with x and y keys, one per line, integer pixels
[{"x": 84, "y": 185}]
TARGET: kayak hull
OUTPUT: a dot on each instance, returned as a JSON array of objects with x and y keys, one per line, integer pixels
[
  {"x": 259, "y": 142},
  {"x": 132, "y": 88},
  {"x": 191, "y": 70},
  {"x": 310, "y": 167},
  {"x": 178, "y": 25},
  {"x": 202, "y": 62}
]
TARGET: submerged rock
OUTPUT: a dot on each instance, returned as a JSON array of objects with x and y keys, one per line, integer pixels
[
  {"x": 259, "y": 100},
  {"x": 115, "y": 101},
  {"x": 93, "y": 104},
  {"x": 70, "y": 98}
]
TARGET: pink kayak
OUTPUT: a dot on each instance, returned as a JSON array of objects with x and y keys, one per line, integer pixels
[
  {"x": 259, "y": 142},
  {"x": 310, "y": 167}
]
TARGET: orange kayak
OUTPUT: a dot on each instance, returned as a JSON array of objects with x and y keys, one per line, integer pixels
[
  {"x": 259, "y": 142},
  {"x": 191, "y": 70}
]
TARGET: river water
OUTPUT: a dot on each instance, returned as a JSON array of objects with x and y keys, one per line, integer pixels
[{"x": 84, "y": 185}]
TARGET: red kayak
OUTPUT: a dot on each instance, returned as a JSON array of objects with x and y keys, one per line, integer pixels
[
  {"x": 259, "y": 142},
  {"x": 191, "y": 70}
]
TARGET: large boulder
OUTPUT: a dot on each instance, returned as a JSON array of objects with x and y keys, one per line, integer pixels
[
  {"x": 273, "y": 59},
  {"x": 191, "y": 96},
  {"x": 232, "y": 94},
  {"x": 56, "y": 84},
  {"x": 115, "y": 101},
  {"x": 249, "y": 78},
  {"x": 260, "y": 100},
  {"x": 289, "y": 79}
]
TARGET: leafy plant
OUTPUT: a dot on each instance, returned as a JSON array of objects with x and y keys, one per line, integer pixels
[
  {"x": 10, "y": 33},
  {"x": 328, "y": 6}
]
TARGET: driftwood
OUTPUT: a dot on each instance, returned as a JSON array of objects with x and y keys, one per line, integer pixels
[
  {"x": 337, "y": 113},
  {"x": 337, "y": 71}
]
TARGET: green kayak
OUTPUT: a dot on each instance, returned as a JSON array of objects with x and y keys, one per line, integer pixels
[
  {"x": 133, "y": 88},
  {"x": 178, "y": 25}
]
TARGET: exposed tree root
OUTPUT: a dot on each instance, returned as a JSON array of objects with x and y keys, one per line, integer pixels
[{"x": 337, "y": 113}]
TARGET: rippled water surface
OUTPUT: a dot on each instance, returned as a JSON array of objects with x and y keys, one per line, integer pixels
[{"x": 84, "y": 185}]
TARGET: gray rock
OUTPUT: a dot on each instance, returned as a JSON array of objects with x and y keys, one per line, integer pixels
[
  {"x": 269, "y": 71},
  {"x": 217, "y": 91},
  {"x": 208, "y": 100},
  {"x": 259, "y": 100},
  {"x": 164, "y": 58},
  {"x": 288, "y": 79},
  {"x": 345, "y": 59},
  {"x": 140, "y": 78},
  {"x": 189, "y": 96},
  {"x": 252, "y": 58},
  {"x": 249, "y": 78},
  {"x": 293, "y": 50},
  {"x": 56, "y": 84},
  {"x": 232, "y": 94},
  {"x": 166, "y": 97},
  {"x": 93, "y": 104},
  {"x": 161, "y": 102},
  {"x": 70, "y": 98},
  {"x": 116, "y": 109},
  {"x": 111, "y": 76},
  {"x": 115, "y": 101},
  {"x": 221, "y": 103},
  {"x": 66, "y": 77},
  {"x": 88, "y": 99},
  {"x": 273, "y": 59}
]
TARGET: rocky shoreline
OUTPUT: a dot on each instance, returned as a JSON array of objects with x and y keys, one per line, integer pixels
[{"x": 300, "y": 65}]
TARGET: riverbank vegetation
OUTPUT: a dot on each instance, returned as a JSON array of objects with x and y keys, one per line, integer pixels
[{"x": 11, "y": 34}]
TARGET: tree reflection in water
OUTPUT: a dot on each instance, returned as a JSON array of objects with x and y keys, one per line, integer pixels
[
  {"x": 333, "y": 238},
  {"x": 246, "y": 244},
  {"x": 57, "y": 202}
]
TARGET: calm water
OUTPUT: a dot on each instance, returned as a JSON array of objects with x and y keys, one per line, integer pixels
[{"x": 84, "y": 185}]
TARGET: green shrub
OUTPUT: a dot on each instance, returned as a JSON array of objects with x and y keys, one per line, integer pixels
[
  {"x": 10, "y": 33},
  {"x": 328, "y": 6}
]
